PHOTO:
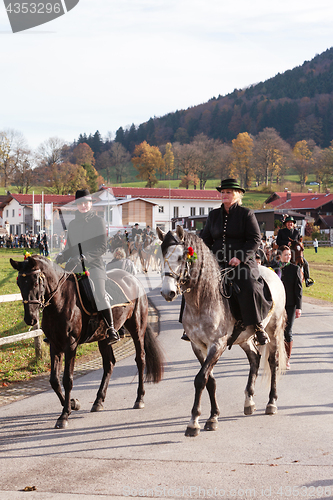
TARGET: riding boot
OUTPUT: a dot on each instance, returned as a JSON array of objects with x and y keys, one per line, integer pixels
[
  {"x": 185, "y": 337},
  {"x": 260, "y": 334},
  {"x": 288, "y": 347},
  {"x": 238, "y": 329},
  {"x": 111, "y": 333}
]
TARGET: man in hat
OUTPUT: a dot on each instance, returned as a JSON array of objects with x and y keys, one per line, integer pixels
[
  {"x": 285, "y": 236},
  {"x": 232, "y": 233},
  {"x": 86, "y": 243}
]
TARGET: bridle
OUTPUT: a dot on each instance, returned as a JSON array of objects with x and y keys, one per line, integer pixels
[
  {"x": 40, "y": 282},
  {"x": 183, "y": 276}
]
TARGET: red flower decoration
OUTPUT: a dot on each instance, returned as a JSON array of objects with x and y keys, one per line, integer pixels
[{"x": 190, "y": 251}]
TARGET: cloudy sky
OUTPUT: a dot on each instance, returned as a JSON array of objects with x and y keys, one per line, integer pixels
[{"x": 108, "y": 63}]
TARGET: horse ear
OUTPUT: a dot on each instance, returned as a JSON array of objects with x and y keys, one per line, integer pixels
[
  {"x": 15, "y": 264},
  {"x": 160, "y": 233},
  {"x": 32, "y": 262},
  {"x": 180, "y": 232}
]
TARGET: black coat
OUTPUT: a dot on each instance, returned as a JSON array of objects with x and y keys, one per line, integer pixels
[
  {"x": 89, "y": 230},
  {"x": 237, "y": 234},
  {"x": 285, "y": 235},
  {"x": 292, "y": 281}
]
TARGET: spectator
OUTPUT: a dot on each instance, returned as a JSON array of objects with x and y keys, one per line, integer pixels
[{"x": 315, "y": 245}]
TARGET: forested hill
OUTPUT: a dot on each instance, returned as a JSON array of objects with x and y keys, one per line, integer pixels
[{"x": 297, "y": 103}]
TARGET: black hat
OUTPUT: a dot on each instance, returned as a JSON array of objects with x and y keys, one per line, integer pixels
[
  {"x": 230, "y": 184},
  {"x": 289, "y": 219},
  {"x": 83, "y": 193}
]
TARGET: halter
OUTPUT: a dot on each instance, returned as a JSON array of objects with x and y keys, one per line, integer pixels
[
  {"x": 183, "y": 277},
  {"x": 40, "y": 279}
]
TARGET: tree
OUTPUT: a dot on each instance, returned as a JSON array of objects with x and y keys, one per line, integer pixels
[
  {"x": 169, "y": 160},
  {"x": 12, "y": 149},
  {"x": 242, "y": 148},
  {"x": 207, "y": 159},
  {"x": 120, "y": 158},
  {"x": 67, "y": 178},
  {"x": 186, "y": 156},
  {"x": 302, "y": 160},
  {"x": 82, "y": 154},
  {"x": 50, "y": 153},
  {"x": 147, "y": 159},
  {"x": 92, "y": 177},
  {"x": 270, "y": 155}
]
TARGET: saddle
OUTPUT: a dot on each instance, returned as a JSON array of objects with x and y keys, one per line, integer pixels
[{"x": 118, "y": 291}]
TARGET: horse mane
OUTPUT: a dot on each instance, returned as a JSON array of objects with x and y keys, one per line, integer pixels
[{"x": 205, "y": 271}]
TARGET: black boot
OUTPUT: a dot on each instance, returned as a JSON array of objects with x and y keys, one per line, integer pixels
[
  {"x": 260, "y": 334},
  {"x": 185, "y": 337},
  {"x": 111, "y": 333},
  {"x": 238, "y": 329}
]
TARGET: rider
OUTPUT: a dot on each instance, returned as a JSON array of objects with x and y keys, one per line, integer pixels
[
  {"x": 86, "y": 243},
  {"x": 285, "y": 236},
  {"x": 233, "y": 234}
]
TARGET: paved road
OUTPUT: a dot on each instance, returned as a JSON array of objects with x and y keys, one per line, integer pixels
[{"x": 123, "y": 452}]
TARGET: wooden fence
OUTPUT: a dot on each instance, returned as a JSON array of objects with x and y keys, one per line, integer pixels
[{"x": 35, "y": 333}]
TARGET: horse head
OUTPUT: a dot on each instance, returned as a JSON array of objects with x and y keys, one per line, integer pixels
[
  {"x": 32, "y": 283},
  {"x": 297, "y": 252},
  {"x": 174, "y": 253}
]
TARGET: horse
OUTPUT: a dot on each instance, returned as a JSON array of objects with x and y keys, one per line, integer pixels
[
  {"x": 208, "y": 321},
  {"x": 66, "y": 323},
  {"x": 297, "y": 252}
]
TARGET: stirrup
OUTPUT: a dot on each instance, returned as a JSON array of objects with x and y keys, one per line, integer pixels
[
  {"x": 260, "y": 334},
  {"x": 112, "y": 336}
]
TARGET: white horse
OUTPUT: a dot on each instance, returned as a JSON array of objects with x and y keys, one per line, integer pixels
[{"x": 208, "y": 321}]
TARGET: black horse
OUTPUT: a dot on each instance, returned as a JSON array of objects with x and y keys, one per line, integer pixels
[{"x": 66, "y": 323}]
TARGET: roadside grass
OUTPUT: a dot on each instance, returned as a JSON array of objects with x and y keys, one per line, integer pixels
[{"x": 18, "y": 360}]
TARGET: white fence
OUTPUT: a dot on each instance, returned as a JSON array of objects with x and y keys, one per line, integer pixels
[{"x": 34, "y": 333}]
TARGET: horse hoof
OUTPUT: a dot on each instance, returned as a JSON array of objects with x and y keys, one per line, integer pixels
[
  {"x": 75, "y": 404},
  {"x": 211, "y": 425},
  {"x": 271, "y": 409},
  {"x": 249, "y": 410},
  {"x": 192, "y": 431},
  {"x": 97, "y": 407},
  {"x": 61, "y": 424},
  {"x": 138, "y": 405}
]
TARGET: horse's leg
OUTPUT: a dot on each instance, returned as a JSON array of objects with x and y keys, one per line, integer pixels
[
  {"x": 211, "y": 424},
  {"x": 254, "y": 359},
  {"x": 136, "y": 325},
  {"x": 108, "y": 365},
  {"x": 200, "y": 382},
  {"x": 56, "y": 359},
  {"x": 62, "y": 421},
  {"x": 273, "y": 361}
]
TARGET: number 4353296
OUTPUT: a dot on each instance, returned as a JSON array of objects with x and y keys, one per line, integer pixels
[{"x": 34, "y": 8}]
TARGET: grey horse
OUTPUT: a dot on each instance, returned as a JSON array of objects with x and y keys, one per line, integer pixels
[{"x": 208, "y": 321}]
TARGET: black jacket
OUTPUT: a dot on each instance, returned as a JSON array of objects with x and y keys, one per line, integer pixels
[
  {"x": 89, "y": 230},
  {"x": 292, "y": 281},
  {"x": 285, "y": 235},
  {"x": 236, "y": 234}
]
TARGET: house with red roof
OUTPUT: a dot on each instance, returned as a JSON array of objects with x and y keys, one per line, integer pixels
[{"x": 310, "y": 204}]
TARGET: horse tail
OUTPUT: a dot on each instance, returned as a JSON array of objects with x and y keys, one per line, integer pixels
[{"x": 154, "y": 357}]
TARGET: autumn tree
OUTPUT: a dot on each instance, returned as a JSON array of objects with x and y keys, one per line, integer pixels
[
  {"x": 207, "y": 160},
  {"x": 48, "y": 155},
  {"x": 270, "y": 156},
  {"x": 147, "y": 160},
  {"x": 242, "y": 148},
  {"x": 302, "y": 160},
  {"x": 12, "y": 150},
  {"x": 120, "y": 158},
  {"x": 169, "y": 160},
  {"x": 67, "y": 178},
  {"x": 186, "y": 157},
  {"x": 82, "y": 154}
]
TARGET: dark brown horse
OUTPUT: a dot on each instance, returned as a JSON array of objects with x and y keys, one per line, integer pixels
[
  {"x": 66, "y": 323},
  {"x": 297, "y": 252}
]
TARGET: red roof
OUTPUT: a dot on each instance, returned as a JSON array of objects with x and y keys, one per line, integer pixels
[
  {"x": 301, "y": 201},
  {"x": 56, "y": 199},
  {"x": 191, "y": 194}
]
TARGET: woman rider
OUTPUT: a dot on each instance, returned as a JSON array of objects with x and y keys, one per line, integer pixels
[
  {"x": 87, "y": 242},
  {"x": 233, "y": 234}
]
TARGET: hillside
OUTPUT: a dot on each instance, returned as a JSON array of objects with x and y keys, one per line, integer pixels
[{"x": 297, "y": 103}]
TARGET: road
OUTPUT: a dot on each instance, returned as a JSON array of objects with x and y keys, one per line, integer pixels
[{"x": 123, "y": 452}]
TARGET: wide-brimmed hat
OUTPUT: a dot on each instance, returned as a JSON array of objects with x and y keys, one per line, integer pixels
[
  {"x": 83, "y": 193},
  {"x": 289, "y": 219},
  {"x": 230, "y": 184}
]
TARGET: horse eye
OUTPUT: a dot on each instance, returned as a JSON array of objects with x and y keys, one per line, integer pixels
[{"x": 179, "y": 258}]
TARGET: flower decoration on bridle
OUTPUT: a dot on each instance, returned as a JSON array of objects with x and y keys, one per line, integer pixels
[
  {"x": 26, "y": 255},
  {"x": 191, "y": 255}
]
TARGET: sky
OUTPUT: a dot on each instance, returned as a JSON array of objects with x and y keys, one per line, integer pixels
[{"x": 110, "y": 63}]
